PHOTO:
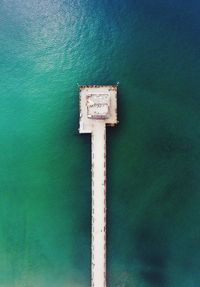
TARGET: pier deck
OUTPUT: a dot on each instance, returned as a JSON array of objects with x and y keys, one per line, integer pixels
[{"x": 98, "y": 108}]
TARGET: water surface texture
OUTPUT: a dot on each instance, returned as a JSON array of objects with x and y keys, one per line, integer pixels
[{"x": 152, "y": 49}]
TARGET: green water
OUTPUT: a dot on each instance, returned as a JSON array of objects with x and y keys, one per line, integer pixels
[{"x": 152, "y": 48}]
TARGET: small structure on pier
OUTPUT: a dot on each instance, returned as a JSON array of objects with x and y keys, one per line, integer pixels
[{"x": 98, "y": 108}]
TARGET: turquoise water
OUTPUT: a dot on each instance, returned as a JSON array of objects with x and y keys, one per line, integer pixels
[{"x": 152, "y": 49}]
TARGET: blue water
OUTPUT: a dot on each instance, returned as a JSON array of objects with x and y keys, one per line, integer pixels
[{"x": 152, "y": 49}]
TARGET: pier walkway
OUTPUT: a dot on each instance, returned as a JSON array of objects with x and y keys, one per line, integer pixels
[{"x": 99, "y": 204}]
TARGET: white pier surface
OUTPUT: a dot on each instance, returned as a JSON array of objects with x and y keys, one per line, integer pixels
[{"x": 98, "y": 107}]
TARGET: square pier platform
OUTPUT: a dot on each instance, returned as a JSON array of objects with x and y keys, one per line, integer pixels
[{"x": 97, "y": 103}]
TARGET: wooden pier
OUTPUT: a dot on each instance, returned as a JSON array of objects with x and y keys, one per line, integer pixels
[{"x": 98, "y": 108}]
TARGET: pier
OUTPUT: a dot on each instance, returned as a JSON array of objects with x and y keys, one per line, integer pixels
[{"x": 98, "y": 108}]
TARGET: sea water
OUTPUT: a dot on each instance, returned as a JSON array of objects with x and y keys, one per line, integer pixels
[{"x": 152, "y": 49}]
